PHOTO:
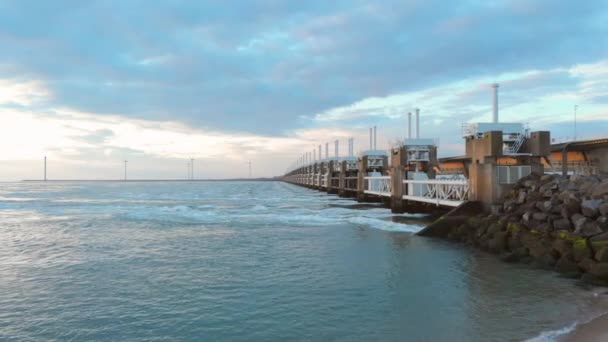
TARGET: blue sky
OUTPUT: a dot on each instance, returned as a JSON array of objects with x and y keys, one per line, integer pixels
[{"x": 93, "y": 83}]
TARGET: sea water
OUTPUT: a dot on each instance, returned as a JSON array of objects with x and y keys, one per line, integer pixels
[{"x": 253, "y": 261}]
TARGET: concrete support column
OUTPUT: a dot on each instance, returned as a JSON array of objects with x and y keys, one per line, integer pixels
[
  {"x": 361, "y": 174},
  {"x": 397, "y": 177},
  {"x": 342, "y": 181}
]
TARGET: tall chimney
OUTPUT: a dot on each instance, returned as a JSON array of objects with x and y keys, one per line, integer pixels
[
  {"x": 409, "y": 125},
  {"x": 320, "y": 155},
  {"x": 417, "y": 123},
  {"x": 314, "y": 155},
  {"x": 327, "y": 150},
  {"x": 336, "y": 148},
  {"x": 374, "y": 137},
  {"x": 371, "y": 146},
  {"x": 495, "y": 103}
]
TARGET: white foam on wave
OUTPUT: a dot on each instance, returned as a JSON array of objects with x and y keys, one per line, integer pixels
[
  {"x": 376, "y": 223},
  {"x": 553, "y": 335}
]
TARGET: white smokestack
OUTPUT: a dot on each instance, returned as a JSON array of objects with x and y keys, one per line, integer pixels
[
  {"x": 336, "y": 148},
  {"x": 374, "y": 137},
  {"x": 320, "y": 154},
  {"x": 371, "y": 146},
  {"x": 409, "y": 125},
  {"x": 314, "y": 155},
  {"x": 495, "y": 103},
  {"x": 326, "y": 150},
  {"x": 417, "y": 123}
]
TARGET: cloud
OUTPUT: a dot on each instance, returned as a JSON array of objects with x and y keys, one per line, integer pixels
[
  {"x": 231, "y": 67},
  {"x": 97, "y": 82}
]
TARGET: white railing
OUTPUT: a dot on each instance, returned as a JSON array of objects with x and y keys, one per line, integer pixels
[
  {"x": 379, "y": 185},
  {"x": 450, "y": 193}
]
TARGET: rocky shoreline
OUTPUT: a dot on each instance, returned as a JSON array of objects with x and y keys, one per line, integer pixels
[{"x": 552, "y": 222}]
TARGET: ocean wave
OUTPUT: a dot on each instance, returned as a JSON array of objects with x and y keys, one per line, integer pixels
[
  {"x": 382, "y": 224},
  {"x": 553, "y": 335}
]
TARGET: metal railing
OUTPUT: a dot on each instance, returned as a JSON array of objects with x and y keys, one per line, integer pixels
[
  {"x": 450, "y": 193},
  {"x": 350, "y": 183},
  {"x": 379, "y": 185}
]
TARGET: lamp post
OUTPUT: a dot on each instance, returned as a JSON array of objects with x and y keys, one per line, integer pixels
[{"x": 575, "y": 110}]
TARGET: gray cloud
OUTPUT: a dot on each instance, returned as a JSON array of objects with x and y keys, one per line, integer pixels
[{"x": 260, "y": 66}]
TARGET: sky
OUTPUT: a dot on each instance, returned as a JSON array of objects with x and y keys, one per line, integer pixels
[{"x": 90, "y": 84}]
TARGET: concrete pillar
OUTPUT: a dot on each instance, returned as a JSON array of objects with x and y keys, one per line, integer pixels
[
  {"x": 361, "y": 174},
  {"x": 397, "y": 173},
  {"x": 342, "y": 181}
]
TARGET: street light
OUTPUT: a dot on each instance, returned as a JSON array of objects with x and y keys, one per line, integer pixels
[{"x": 575, "y": 109}]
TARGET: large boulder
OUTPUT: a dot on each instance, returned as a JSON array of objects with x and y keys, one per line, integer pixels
[
  {"x": 600, "y": 270},
  {"x": 498, "y": 243},
  {"x": 590, "y": 208},
  {"x": 599, "y": 241},
  {"x": 562, "y": 246},
  {"x": 571, "y": 207},
  {"x": 541, "y": 217},
  {"x": 602, "y": 254},
  {"x": 603, "y": 209},
  {"x": 602, "y": 222},
  {"x": 590, "y": 228},
  {"x": 600, "y": 190},
  {"x": 566, "y": 265},
  {"x": 521, "y": 197},
  {"x": 580, "y": 250},
  {"x": 586, "y": 264},
  {"x": 579, "y": 221},
  {"x": 562, "y": 224},
  {"x": 587, "y": 185},
  {"x": 593, "y": 280}
]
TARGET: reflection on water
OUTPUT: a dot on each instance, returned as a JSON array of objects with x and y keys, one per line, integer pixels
[{"x": 251, "y": 261}]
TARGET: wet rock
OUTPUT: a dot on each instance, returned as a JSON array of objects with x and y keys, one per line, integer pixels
[
  {"x": 603, "y": 209},
  {"x": 571, "y": 207},
  {"x": 498, "y": 244},
  {"x": 600, "y": 270},
  {"x": 602, "y": 254},
  {"x": 602, "y": 222},
  {"x": 580, "y": 250},
  {"x": 545, "y": 261},
  {"x": 546, "y": 178},
  {"x": 593, "y": 280},
  {"x": 586, "y": 264},
  {"x": 600, "y": 190},
  {"x": 562, "y": 247},
  {"x": 521, "y": 197},
  {"x": 564, "y": 195},
  {"x": 590, "y": 208},
  {"x": 579, "y": 221},
  {"x": 567, "y": 265},
  {"x": 509, "y": 257},
  {"x": 587, "y": 185},
  {"x": 541, "y": 217},
  {"x": 562, "y": 224},
  {"x": 527, "y": 217},
  {"x": 589, "y": 229},
  {"x": 548, "y": 187},
  {"x": 599, "y": 241}
]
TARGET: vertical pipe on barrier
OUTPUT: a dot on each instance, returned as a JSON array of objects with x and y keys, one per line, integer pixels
[{"x": 409, "y": 125}]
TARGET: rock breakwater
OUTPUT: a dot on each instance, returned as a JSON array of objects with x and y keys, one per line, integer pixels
[{"x": 553, "y": 222}]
